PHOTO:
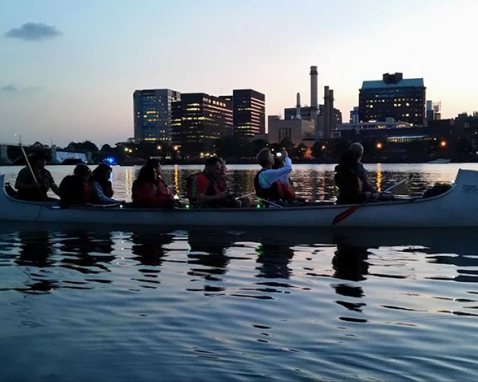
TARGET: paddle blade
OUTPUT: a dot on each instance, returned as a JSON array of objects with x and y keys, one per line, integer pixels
[{"x": 345, "y": 214}]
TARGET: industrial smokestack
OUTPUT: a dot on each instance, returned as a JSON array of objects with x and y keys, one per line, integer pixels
[
  {"x": 297, "y": 107},
  {"x": 313, "y": 87}
]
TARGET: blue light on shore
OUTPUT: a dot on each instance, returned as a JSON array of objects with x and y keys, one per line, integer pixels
[{"x": 110, "y": 160}]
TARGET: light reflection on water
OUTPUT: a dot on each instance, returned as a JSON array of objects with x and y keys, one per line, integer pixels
[{"x": 123, "y": 303}]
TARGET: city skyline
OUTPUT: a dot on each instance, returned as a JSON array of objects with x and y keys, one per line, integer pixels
[{"x": 69, "y": 69}]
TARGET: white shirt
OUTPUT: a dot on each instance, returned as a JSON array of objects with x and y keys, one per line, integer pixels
[{"x": 268, "y": 177}]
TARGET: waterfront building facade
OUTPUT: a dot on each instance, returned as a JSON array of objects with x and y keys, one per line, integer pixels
[
  {"x": 393, "y": 97},
  {"x": 293, "y": 130},
  {"x": 198, "y": 121},
  {"x": 153, "y": 113},
  {"x": 249, "y": 112}
]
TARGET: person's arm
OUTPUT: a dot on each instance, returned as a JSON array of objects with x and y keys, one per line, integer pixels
[
  {"x": 268, "y": 177},
  {"x": 53, "y": 185},
  {"x": 98, "y": 191}
]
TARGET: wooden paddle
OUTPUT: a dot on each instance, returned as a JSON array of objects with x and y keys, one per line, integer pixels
[{"x": 29, "y": 165}]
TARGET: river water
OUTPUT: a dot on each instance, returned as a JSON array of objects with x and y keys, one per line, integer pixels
[{"x": 96, "y": 303}]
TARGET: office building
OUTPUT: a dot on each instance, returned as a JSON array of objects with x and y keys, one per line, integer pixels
[
  {"x": 152, "y": 114},
  {"x": 393, "y": 97},
  {"x": 198, "y": 120},
  {"x": 248, "y": 110}
]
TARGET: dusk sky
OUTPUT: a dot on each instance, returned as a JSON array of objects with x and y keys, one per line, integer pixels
[{"x": 68, "y": 69}]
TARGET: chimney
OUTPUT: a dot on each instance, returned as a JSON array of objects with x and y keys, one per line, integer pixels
[
  {"x": 313, "y": 87},
  {"x": 297, "y": 107}
]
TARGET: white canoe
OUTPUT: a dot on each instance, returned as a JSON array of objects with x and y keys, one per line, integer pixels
[{"x": 456, "y": 208}]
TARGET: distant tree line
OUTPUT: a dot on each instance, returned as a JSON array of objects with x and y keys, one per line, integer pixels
[{"x": 243, "y": 150}]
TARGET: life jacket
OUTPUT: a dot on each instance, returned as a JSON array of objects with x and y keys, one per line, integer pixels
[
  {"x": 191, "y": 186},
  {"x": 147, "y": 195},
  {"x": 288, "y": 192},
  {"x": 274, "y": 192},
  {"x": 350, "y": 186}
]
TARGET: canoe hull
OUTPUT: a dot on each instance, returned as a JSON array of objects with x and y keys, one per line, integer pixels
[{"x": 456, "y": 208}]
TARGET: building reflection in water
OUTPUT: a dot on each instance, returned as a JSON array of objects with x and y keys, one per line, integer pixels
[{"x": 350, "y": 263}]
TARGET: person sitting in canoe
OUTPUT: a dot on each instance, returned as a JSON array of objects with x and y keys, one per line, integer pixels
[
  {"x": 348, "y": 182},
  {"x": 33, "y": 183},
  {"x": 102, "y": 190},
  {"x": 76, "y": 188},
  {"x": 273, "y": 184},
  {"x": 287, "y": 188},
  {"x": 206, "y": 190},
  {"x": 357, "y": 150},
  {"x": 162, "y": 186},
  {"x": 147, "y": 192}
]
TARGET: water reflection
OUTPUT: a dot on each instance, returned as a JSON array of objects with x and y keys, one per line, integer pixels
[
  {"x": 350, "y": 263},
  {"x": 86, "y": 252},
  {"x": 208, "y": 259},
  {"x": 35, "y": 252},
  {"x": 35, "y": 249},
  {"x": 149, "y": 250},
  {"x": 149, "y": 247},
  {"x": 273, "y": 260}
]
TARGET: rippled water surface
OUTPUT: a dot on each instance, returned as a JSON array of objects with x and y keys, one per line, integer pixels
[{"x": 96, "y": 303}]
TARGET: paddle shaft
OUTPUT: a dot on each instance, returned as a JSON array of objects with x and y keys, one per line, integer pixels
[
  {"x": 29, "y": 165},
  {"x": 393, "y": 186},
  {"x": 244, "y": 196}
]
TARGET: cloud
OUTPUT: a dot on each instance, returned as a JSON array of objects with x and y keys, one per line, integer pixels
[
  {"x": 9, "y": 88},
  {"x": 33, "y": 32},
  {"x": 12, "y": 88}
]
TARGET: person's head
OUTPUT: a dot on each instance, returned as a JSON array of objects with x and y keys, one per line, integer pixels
[
  {"x": 82, "y": 170},
  {"x": 147, "y": 174},
  {"x": 357, "y": 149},
  {"x": 223, "y": 167},
  {"x": 38, "y": 159},
  {"x": 102, "y": 172},
  {"x": 154, "y": 163},
  {"x": 265, "y": 158},
  {"x": 213, "y": 166}
]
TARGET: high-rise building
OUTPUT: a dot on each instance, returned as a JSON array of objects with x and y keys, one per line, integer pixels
[
  {"x": 152, "y": 114},
  {"x": 198, "y": 120},
  {"x": 248, "y": 112},
  {"x": 393, "y": 97}
]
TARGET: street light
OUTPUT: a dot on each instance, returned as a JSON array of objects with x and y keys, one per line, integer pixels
[{"x": 19, "y": 137}]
